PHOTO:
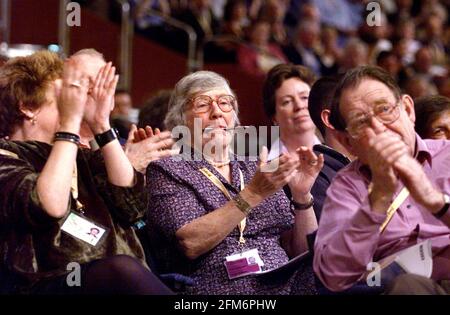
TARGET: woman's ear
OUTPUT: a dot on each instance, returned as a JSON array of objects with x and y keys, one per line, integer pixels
[
  {"x": 26, "y": 111},
  {"x": 29, "y": 113}
]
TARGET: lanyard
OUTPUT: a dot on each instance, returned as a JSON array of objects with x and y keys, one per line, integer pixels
[
  {"x": 213, "y": 178},
  {"x": 74, "y": 189},
  {"x": 404, "y": 193}
]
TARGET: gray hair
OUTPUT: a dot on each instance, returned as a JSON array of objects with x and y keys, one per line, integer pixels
[
  {"x": 188, "y": 86},
  {"x": 89, "y": 52}
]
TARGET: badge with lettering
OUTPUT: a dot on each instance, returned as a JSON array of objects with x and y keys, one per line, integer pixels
[
  {"x": 83, "y": 229},
  {"x": 243, "y": 264}
]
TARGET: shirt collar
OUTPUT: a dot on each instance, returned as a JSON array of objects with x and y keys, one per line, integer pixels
[
  {"x": 276, "y": 149},
  {"x": 422, "y": 151}
]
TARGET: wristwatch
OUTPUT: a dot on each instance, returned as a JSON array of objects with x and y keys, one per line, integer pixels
[
  {"x": 243, "y": 205},
  {"x": 302, "y": 206},
  {"x": 103, "y": 139},
  {"x": 445, "y": 208}
]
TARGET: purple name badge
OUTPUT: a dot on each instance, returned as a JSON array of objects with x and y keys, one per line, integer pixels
[{"x": 241, "y": 267}]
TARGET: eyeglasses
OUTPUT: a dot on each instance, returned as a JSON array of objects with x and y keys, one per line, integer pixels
[
  {"x": 385, "y": 113},
  {"x": 202, "y": 103}
]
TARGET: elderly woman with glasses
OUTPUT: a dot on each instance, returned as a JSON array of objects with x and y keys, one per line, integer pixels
[{"x": 219, "y": 218}]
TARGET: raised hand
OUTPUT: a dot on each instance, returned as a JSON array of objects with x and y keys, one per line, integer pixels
[
  {"x": 306, "y": 173},
  {"x": 72, "y": 96},
  {"x": 383, "y": 150},
  {"x": 272, "y": 176},
  {"x": 101, "y": 99},
  {"x": 420, "y": 187},
  {"x": 144, "y": 146},
  {"x": 144, "y": 133}
]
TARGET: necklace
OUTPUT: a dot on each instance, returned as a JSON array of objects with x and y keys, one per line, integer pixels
[{"x": 217, "y": 164}]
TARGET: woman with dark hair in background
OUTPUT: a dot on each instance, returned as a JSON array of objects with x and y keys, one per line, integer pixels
[{"x": 433, "y": 117}]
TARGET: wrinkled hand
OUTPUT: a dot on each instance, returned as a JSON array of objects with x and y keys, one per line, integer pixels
[
  {"x": 306, "y": 173},
  {"x": 414, "y": 178},
  {"x": 390, "y": 160},
  {"x": 383, "y": 150},
  {"x": 72, "y": 94},
  {"x": 143, "y": 147},
  {"x": 272, "y": 176},
  {"x": 101, "y": 99}
]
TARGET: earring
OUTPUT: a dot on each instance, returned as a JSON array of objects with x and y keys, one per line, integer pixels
[{"x": 33, "y": 120}]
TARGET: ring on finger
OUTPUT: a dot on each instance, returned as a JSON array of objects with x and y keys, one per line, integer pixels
[
  {"x": 75, "y": 84},
  {"x": 313, "y": 162}
]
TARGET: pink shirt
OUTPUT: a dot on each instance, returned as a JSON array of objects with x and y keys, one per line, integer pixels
[{"x": 348, "y": 238}]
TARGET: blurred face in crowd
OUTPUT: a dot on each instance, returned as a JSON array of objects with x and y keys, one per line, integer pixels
[
  {"x": 310, "y": 12},
  {"x": 122, "y": 104},
  {"x": 215, "y": 109},
  {"x": 391, "y": 64},
  {"x": 401, "y": 48},
  {"x": 434, "y": 27},
  {"x": 407, "y": 30},
  {"x": 417, "y": 87},
  {"x": 239, "y": 11},
  {"x": 381, "y": 31},
  {"x": 260, "y": 34},
  {"x": 404, "y": 4},
  {"x": 309, "y": 36},
  {"x": 201, "y": 4},
  {"x": 291, "y": 108},
  {"x": 277, "y": 9},
  {"x": 424, "y": 60},
  {"x": 355, "y": 54},
  {"x": 440, "y": 127},
  {"x": 357, "y": 107},
  {"x": 329, "y": 37}
]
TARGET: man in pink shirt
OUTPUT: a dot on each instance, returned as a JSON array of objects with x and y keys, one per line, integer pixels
[{"x": 378, "y": 124}]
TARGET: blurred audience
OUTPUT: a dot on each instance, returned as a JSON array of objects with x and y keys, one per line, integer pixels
[
  {"x": 259, "y": 55},
  {"x": 154, "y": 110},
  {"x": 120, "y": 115},
  {"x": 303, "y": 49}
]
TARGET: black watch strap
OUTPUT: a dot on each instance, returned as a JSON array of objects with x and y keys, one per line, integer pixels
[
  {"x": 445, "y": 208},
  {"x": 302, "y": 206},
  {"x": 103, "y": 139}
]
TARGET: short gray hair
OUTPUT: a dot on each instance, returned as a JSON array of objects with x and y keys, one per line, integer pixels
[
  {"x": 89, "y": 52},
  {"x": 188, "y": 86}
]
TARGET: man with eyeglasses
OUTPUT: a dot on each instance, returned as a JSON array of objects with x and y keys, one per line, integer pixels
[{"x": 395, "y": 195}]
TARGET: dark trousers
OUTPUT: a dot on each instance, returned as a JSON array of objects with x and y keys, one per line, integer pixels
[
  {"x": 119, "y": 274},
  {"x": 409, "y": 284}
]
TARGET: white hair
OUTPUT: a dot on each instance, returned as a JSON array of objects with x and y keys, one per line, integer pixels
[{"x": 188, "y": 86}]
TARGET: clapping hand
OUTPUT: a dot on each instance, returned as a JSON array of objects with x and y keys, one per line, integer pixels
[
  {"x": 144, "y": 146},
  {"x": 307, "y": 171},
  {"x": 272, "y": 176},
  {"x": 101, "y": 99},
  {"x": 140, "y": 134},
  {"x": 72, "y": 96}
]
